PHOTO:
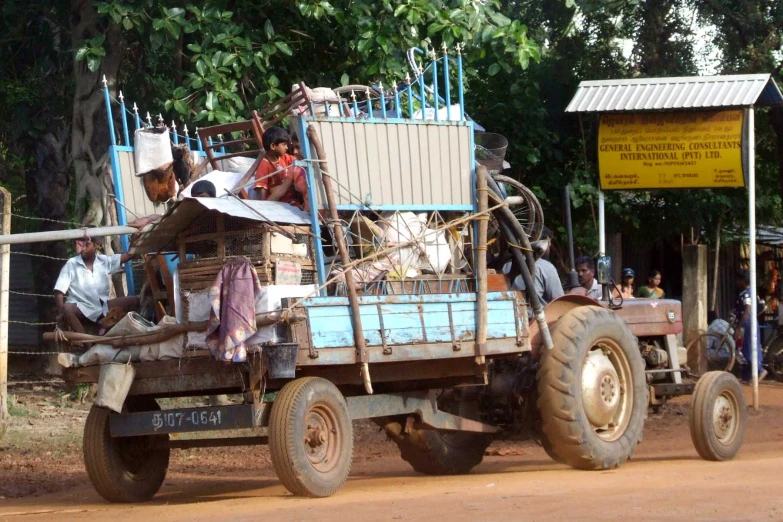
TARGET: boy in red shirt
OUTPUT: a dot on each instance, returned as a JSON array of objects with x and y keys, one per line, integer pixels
[{"x": 289, "y": 185}]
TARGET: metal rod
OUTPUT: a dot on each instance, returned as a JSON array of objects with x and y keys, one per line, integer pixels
[
  {"x": 446, "y": 81},
  {"x": 107, "y": 100},
  {"x": 569, "y": 228},
  {"x": 136, "y": 116},
  {"x": 409, "y": 92},
  {"x": 397, "y": 107},
  {"x": 337, "y": 231},
  {"x": 312, "y": 197},
  {"x": 481, "y": 266},
  {"x": 5, "y": 269},
  {"x": 64, "y": 235},
  {"x": 198, "y": 142},
  {"x": 124, "y": 120},
  {"x": 460, "y": 88},
  {"x": 601, "y": 224},
  {"x": 355, "y": 104},
  {"x": 174, "y": 136},
  {"x": 383, "y": 101},
  {"x": 422, "y": 94},
  {"x": 436, "y": 94},
  {"x": 754, "y": 320},
  {"x": 369, "y": 104}
]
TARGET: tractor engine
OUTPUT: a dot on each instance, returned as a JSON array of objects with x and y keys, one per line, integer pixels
[{"x": 655, "y": 357}]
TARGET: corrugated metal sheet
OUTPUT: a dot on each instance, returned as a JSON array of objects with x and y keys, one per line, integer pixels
[
  {"x": 396, "y": 164},
  {"x": 657, "y": 94},
  {"x": 163, "y": 234}
]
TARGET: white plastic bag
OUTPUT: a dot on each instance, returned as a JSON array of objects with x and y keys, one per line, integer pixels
[{"x": 151, "y": 149}]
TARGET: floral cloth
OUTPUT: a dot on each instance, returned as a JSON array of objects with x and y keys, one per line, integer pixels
[{"x": 232, "y": 316}]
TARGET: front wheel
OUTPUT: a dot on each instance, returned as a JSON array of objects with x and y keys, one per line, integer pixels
[
  {"x": 718, "y": 416},
  {"x": 311, "y": 437},
  {"x": 592, "y": 392}
]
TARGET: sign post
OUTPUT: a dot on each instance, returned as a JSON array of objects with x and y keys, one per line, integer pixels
[{"x": 754, "y": 320}]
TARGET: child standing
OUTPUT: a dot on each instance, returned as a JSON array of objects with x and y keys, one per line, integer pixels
[{"x": 290, "y": 184}]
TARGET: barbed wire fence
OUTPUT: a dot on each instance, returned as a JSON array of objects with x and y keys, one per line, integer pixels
[{"x": 21, "y": 295}]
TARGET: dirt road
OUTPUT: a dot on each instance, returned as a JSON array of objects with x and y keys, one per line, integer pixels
[{"x": 665, "y": 481}]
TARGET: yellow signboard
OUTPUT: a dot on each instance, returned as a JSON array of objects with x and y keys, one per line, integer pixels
[{"x": 670, "y": 150}]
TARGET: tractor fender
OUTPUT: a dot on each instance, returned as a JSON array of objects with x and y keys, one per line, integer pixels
[{"x": 553, "y": 312}]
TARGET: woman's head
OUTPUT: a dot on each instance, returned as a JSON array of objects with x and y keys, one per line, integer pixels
[
  {"x": 654, "y": 279},
  {"x": 628, "y": 275}
]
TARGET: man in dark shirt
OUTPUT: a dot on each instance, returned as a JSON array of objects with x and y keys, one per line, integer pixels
[{"x": 743, "y": 307}]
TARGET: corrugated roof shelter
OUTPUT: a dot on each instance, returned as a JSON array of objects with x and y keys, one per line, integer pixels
[
  {"x": 161, "y": 235},
  {"x": 668, "y": 94}
]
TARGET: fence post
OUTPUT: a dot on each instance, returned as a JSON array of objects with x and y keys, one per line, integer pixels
[{"x": 5, "y": 259}]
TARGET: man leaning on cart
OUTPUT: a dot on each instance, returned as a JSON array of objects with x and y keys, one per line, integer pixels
[{"x": 82, "y": 289}]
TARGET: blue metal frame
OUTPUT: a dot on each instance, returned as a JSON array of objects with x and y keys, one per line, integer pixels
[
  {"x": 115, "y": 174},
  {"x": 312, "y": 197}
]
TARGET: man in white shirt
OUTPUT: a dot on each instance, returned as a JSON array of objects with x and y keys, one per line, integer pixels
[
  {"x": 82, "y": 290},
  {"x": 585, "y": 269}
]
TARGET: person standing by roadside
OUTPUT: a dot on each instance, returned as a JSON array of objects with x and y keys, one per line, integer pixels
[
  {"x": 625, "y": 288},
  {"x": 652, "y": 290},
  {"x": 743, "y": 307}
]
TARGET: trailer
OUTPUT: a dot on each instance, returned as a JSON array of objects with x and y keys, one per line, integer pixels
[{"x": 444, "y": 360}]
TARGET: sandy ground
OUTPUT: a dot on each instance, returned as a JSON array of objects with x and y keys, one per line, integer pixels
[{"x": 665, "y": 480}]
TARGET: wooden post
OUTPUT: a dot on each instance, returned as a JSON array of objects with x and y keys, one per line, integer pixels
[
  {"x": 5, "y": 259},
  {"x": 481, "y": 265},
  {"x": 342, "y": 248}
]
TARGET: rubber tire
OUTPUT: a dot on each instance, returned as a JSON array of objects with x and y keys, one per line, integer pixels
[
  {"x": 707, "y": 390},
  {"x": 109, "y": 476},
  {"x": 428, "y": 452},
  {"x": 773, "y": 352},
  {"x": 287, "y": 433},
  {"x": 568, "y": 434}
]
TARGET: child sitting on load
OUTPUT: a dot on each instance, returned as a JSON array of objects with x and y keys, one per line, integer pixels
[{"x": 276, "y": 177}]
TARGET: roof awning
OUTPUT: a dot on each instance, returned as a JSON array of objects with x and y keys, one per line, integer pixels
[
  {"x": 669, "y": 94},
  {"x": 162, "y": 234}
]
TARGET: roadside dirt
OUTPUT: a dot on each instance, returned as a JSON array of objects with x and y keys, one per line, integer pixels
[{"x": 40, "y": 461}]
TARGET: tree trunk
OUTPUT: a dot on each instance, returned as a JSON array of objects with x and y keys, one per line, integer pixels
[{"x": 90, "y": 138}]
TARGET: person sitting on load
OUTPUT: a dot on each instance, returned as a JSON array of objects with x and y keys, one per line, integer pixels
[
  {"x": 82, "y": 290},
  {"x": 276, "y": 177},
  {"x": 585, "y": 269}
]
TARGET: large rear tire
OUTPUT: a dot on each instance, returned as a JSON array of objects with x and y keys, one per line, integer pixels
[
  {"x": 718, "y": 416},
  {"x": 592, "y": 392},
  {"x": 311, "y": 437},
  {"x": 124, "y": 469}
]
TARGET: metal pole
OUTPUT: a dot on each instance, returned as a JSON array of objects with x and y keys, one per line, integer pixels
[
  {"x": 601, "y": 224},
  {"x": 754, "y": 321},
  {"x": 64, "y": 235},
  {"x": 446, "y": 81},
  {"x": 5, "y": 260}
]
